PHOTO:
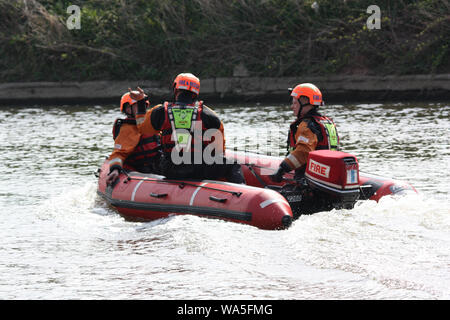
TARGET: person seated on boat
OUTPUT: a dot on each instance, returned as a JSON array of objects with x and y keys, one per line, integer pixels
[
  {"x": 192, "y": 135},
  {"x": 132, "y": 150},
  {"x": 310, "y": 131}
]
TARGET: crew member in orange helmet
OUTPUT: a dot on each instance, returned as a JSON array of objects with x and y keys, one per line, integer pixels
[
  {"x": 188, "y": 129},
  {"x": 132, "y": 150},
  {"x": 310, "y": 131}
]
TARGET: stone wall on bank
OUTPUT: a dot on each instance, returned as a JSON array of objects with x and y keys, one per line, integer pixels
[{"x": 245, "y": 89}]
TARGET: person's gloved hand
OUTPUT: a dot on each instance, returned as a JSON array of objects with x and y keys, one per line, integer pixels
[
  {"x": 278, "y": 176},
  {"x": 141, "y": 98},
  {"x": 113, "y": 175},
  {"x": 138, "y": 94}
]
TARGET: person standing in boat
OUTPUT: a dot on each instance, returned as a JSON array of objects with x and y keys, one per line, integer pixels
[
  {"x": 188, "y": 129},
  {"x": 310, "y": 131},
  {"x": 132, "y": 150}
]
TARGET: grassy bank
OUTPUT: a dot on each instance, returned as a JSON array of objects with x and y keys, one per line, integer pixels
[{"x": 155, "y": 39}]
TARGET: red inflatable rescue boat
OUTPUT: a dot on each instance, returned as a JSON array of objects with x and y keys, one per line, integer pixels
[{"x": 332, "y": 181}]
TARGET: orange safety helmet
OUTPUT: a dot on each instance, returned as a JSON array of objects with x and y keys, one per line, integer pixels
[
  {"x": 126, "y": 99},
  {"x": 308, "y": 90},
  {"x": 187, "y": 81}
]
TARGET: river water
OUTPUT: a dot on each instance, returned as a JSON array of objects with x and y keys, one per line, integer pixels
[{"x": 59, "y": 240}]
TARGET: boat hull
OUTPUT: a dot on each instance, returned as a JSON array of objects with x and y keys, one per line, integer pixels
[
  {"x": 139, "y": 196},
  {"x": 260, "y": 202}
]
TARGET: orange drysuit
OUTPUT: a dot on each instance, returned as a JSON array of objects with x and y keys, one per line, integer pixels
[{"x": 133, "y": 150}]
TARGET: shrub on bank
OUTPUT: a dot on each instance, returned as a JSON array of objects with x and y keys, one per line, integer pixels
[{"x": 155, "y": 39}]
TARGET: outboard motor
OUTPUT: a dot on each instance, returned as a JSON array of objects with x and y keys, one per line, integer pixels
[
  {"x": 331, "y": 181},
  {"x": 334, "y": 175}
]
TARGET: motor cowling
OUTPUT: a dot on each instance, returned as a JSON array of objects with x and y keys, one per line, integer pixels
[{"x": 335, "y": 174}]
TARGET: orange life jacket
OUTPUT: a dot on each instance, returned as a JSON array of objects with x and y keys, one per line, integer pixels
[
  {"x": 324, "y": 141},
  {"x": 147, "y": 149}
]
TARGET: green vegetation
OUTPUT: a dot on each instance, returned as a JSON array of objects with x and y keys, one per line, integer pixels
[{"x": 156, "y": 39}]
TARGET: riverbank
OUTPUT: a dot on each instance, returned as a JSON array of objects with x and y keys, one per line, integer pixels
[
  {"x": 345, "y": 89},
  {"x": 156, "y": 39}
]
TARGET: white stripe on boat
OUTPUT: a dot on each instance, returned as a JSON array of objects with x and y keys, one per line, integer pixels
[
  {"x": 135, "y": 189},
  {"x": 269, "y": 202},
  {"x": 195, "y": 193}
]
